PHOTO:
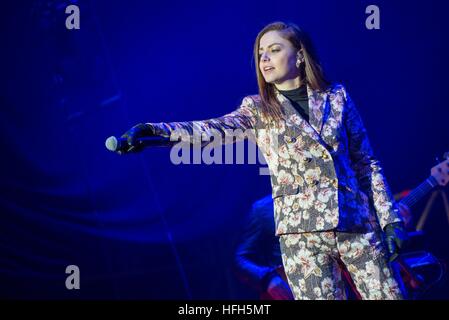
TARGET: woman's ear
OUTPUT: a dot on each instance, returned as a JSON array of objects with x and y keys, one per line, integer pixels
[{"x": 300, "y": 56}]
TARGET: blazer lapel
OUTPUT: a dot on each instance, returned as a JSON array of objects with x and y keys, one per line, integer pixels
[{"x": 318, "y": 109}]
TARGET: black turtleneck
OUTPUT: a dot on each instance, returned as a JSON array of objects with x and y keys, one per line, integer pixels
[{"x": 299, "y": 100}]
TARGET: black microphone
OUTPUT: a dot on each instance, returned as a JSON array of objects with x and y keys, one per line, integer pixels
[{"x": 120, "y": 145}]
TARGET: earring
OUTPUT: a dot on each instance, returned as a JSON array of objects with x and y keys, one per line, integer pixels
[{"x": 299, "y": 60}]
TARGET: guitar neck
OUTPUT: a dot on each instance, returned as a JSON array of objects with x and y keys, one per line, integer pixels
[{"x": 419, "y": 192}]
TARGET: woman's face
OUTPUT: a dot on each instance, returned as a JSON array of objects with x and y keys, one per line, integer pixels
[{"x": 277, "y": 58}]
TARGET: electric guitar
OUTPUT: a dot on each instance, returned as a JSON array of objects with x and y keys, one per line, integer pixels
[{"x": 439, "y": 176}]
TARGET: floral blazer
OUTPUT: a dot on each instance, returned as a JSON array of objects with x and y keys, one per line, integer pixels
[{"x": 323, "y": 172}]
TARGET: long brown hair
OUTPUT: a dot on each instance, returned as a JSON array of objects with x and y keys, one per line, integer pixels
[{"x": 310, "y": 71}]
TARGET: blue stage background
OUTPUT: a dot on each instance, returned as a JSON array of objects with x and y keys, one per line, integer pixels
[{"x": 137, "y": 226}]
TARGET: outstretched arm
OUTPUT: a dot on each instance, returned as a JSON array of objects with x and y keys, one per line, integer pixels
[
  {"x": 243, "y": 119},
  {"x": 234, "y": 126}
]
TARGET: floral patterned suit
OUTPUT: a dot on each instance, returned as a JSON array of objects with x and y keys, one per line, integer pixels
[{"x": 331, "y": 199}]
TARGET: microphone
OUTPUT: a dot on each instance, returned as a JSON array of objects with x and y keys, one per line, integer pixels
[{"x": 120, "y": 145}]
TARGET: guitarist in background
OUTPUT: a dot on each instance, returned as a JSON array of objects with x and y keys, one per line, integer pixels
[
  {"x": 258, "y": 262},
  {"x": 404, "y": 266}
]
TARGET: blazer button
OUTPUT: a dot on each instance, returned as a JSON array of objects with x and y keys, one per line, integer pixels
[{"x": 325, "y": 156}]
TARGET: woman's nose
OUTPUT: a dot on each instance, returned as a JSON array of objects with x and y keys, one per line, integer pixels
[{"x": 265, "y": 57}]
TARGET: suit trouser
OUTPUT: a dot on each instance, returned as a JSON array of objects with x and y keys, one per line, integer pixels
[{"x": 312, "y": 263}]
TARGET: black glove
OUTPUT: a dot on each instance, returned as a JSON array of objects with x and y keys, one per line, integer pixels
[
  {"x": 138, "y": 131},
  {"x": 395, "y": 238}
]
